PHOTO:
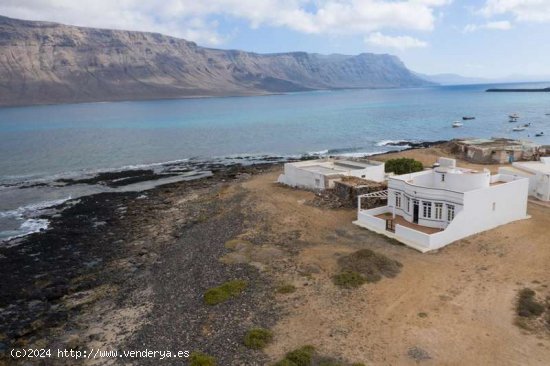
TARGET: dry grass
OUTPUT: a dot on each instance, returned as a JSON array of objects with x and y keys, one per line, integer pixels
[{"x": 369, "y": 264}]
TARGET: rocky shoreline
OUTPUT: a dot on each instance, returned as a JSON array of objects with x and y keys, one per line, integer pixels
[{"x": 94, "y": 268}]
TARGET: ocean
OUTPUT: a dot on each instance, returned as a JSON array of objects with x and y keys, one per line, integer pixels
[{"x": 40, "y": 144}]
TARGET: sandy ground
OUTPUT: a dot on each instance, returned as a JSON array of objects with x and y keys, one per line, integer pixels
[{"x": 456, "y": 305}]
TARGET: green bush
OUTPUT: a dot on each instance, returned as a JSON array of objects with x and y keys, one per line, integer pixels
[
  {"x": 349, "y": 279},
  {"x": 306, "y": 356},
  {"x": 224, "y": 292},
  {"x": 201, "y": 359},
  {"x": 302, "y": 356},
  {"x": 527, "y": 304},
  {"x": 286, "y": 289},
  {"x": 403, "y": 166},
  {"x": 257, "y": 338},
  {"x": 284, "y": 362}
]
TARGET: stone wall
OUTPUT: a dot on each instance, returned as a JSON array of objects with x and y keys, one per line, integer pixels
[{"x": 348, "y": 189}]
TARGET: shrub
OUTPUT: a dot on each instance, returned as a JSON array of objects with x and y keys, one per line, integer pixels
[
  {"x": 257, "y": 338},
  {"x": 403, "y": 166},
  {"x": 371, "y": 265},
  {"x": 302, "y": 356},
  {"x": 306, "y": 356},
  {"x": 349, "y": 279},
  {"x": 224, "y": 292},
  {"x": 284, "y": 362},
  {"x": 286, "y": 289},
  {"x": 527, "y": 304},
  {"x": 201, "y": 359}
]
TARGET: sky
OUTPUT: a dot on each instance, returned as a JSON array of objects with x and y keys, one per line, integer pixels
[{"x": 478, "y": 38}]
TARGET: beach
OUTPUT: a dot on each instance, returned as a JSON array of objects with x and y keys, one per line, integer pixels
[{"x": 128, "y": 271}]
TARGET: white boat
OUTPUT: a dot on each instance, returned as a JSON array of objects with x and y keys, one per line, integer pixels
[
  {"x": 517, "y": 129},
  {"x": 513, "y": 117},
  {"x": 457, "y": 124}
]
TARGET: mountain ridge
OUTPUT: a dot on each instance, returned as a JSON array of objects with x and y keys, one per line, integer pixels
[{"x": 48, "y": 63}]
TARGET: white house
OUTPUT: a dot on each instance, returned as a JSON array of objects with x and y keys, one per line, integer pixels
[
  {"x": 538, "y": 173},
  {"x": 432, "y": 208},
  {"x": 321, "y": 174}
]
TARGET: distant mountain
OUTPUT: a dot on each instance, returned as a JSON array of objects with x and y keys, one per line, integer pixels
[
  {"x": 43, "y": 62},
  {"x": 453, "y": 79}
]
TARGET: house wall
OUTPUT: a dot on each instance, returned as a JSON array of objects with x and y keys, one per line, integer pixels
[
  {"x": 375, "y": 173},
  {"x": 478, "y": 215},
  {"x": 542, "y": 190},
  {"x": 296, "y": 177},
  {"x": 460, "y": 182},
  {"x": 432, "y": 195},
  {"x": 539, "y": 183}
]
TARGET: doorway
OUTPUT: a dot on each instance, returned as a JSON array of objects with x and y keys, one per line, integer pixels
[{"x": 415, "y": 211}]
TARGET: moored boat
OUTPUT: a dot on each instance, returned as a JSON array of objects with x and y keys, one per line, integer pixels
[
  {"x": 517, "y": 129},
  {"x": 466, "y": 118},
  {"x": 457, "y": 124}
]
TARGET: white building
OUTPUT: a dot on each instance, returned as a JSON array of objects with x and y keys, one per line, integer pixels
[
  {"x": 538, "y": 173},
  {"x": 432, "y": 208},
  {"x": 321, "y": 174}
]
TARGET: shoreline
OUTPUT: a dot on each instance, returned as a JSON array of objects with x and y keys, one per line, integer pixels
[
  {"x": 95, "y": 256},
  {"x": 146, "y": 176}
]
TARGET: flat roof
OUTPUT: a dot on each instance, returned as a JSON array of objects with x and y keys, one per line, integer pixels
[
  {"x": 323, "y": 169},
  {"x": 534, "y": 166}
]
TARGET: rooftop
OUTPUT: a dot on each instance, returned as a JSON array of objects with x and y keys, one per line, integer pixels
[
  {"x": 496, "y": 143},
  {"x": 533, "y": 166}
]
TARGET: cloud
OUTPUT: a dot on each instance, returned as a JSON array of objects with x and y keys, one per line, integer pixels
[
  {"x": 199, "y": 20},
  {"x": 496, "y": 25},
  {"x": 398, "y": 42},
  {"x": 522, "y": 10}
]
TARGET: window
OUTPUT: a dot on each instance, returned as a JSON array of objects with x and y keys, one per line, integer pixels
[
  {"x": 408, "y": 200},
  {"x": 494, "y": 206},
  {"x": 438, "y": 211},
  {"x": 450, "y": 212},
  {"x": 397, "y": 199},
  {"x": 317, "y": 182},
  {"x": 443, "y": 177},
  {"x": 427, "y": 209}
]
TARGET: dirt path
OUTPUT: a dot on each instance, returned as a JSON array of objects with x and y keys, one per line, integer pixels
[{"x": 455, "y": 306}]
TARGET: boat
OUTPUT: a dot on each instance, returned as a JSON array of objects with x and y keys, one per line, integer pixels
[
  {"x": 466, "y": 118},
  {"x": 539, "y": 134},
  {"x": 457, "y": 124},
  {"x": 517, "y": 129},
  {"x": 513, "y": 117}
]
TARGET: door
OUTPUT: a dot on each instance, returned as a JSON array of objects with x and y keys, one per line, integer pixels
[{"x": 415, "y": 212}]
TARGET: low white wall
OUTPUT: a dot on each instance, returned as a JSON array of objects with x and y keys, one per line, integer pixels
[
  {"x": 371, "y": 222},
  {"x": 413, "y": 238}
]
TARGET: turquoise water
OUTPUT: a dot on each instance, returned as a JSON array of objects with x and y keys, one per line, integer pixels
[{"x": 43, "y": 142}]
